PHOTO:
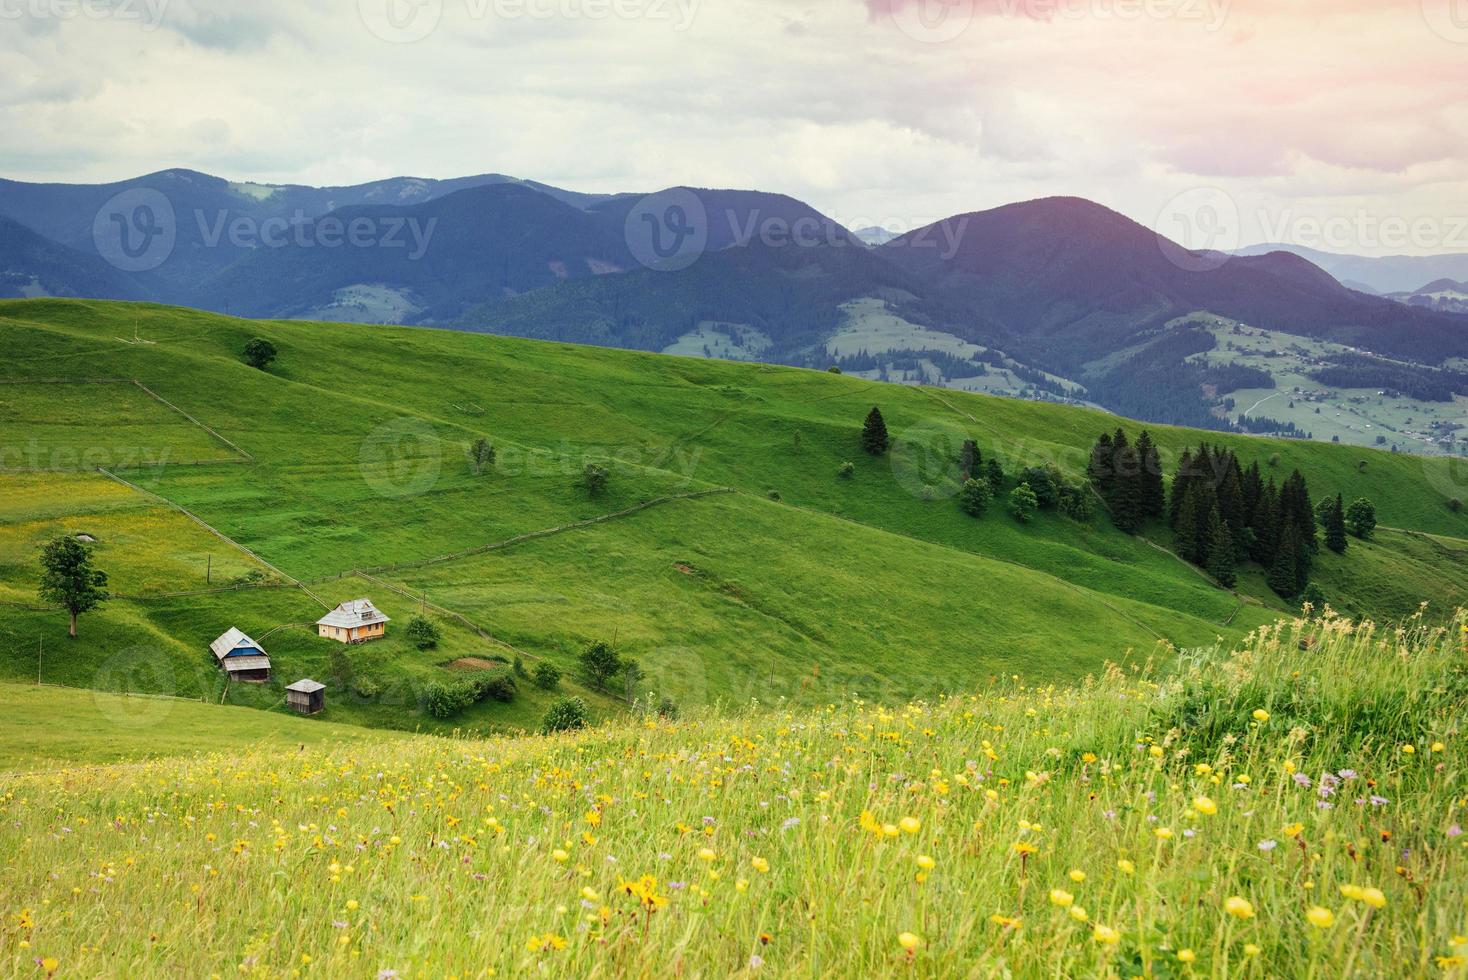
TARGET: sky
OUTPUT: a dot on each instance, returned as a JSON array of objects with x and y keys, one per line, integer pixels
[{"x": 1337, "y": 124}]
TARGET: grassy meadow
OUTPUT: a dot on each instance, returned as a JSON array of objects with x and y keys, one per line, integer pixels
[
  {"x": 726, "y": 554},
  {"x": 1289, "y": 807}
]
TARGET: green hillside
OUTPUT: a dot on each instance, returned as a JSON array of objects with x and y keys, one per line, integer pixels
[{"x": 727, "y": 556}]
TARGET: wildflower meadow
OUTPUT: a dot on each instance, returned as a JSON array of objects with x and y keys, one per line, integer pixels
[{"x": 1290, "y": 807}]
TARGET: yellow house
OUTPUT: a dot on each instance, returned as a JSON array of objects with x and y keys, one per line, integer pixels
[{"x": 353, "y": 622}]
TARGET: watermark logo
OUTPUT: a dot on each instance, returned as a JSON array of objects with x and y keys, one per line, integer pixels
[
  {"x": 148, "y": 13},
  {"x": 668, "y": 231},
  {"x": 1449, "y": 477},
  {"x": 400, "y": 21},
  {"x": 1448, "y": 19},
  {"x": 136, "y": 230},
  {"x": 145, "y": 678},
  {"x": 401, "y": 458},
  {"x": 1205, "y": 222},
  {"x": 925, "y": 459},
  {"x": 932, "y": 21}
]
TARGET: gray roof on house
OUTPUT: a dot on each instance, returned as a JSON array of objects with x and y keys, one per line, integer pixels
[
  {"x": 234, "y": 665},
  {"x": 233, "y": 640},
  {"x": 358, "y": 612},
  {"x": 306, "y": 686}
]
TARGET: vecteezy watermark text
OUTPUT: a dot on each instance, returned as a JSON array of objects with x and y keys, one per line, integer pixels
[
  {"x": 148, "y": 13},
  {"x": 138, "y": 229},
  {"x": 407, "y": 21},
  {"x": 938, "y": 21}
]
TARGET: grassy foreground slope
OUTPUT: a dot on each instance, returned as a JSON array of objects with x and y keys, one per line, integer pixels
[
  {"x": 1290, "y": 809},
  {"x": 103, "y": 728},
  {"x": 349, "y": 455}
]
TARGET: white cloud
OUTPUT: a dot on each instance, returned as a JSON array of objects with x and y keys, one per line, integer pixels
[{"x": 1319, "y": 105}]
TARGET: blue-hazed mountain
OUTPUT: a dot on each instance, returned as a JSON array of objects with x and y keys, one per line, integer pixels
[
  {"x": 1071, "y": 281},
  {"x": 1058, "y": 285},
  {"x": 186, "y": 226},
  {"x": 432, "y": 262},
  {"x": 33, "y": 265},
  {"x": 1377, "y": 274}
]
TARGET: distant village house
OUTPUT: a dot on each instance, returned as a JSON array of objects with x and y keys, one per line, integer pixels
[
  {"x": 241, "y": 657},
  {"x": 353, "y": 622}
]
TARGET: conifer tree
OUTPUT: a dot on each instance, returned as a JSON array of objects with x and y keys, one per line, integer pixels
[
  {"x": 1335, "y": 526},
  {"x": 1180, "y": 483},
  {"x": 1284, "y": 573},
  {"x": 969, "y": 459},
  {"x": 1126, "y": 490},
  {"x": 1154, "y": 499},
  {"x": 994, "y": 472},
  {"x": 1186, "y": 527},
  {"x": 1220, "y": 551},
  {"x": 1101, "y": 469},
  {"x": 1266, "y": 526},
  {"x": 874, "y": 433}
]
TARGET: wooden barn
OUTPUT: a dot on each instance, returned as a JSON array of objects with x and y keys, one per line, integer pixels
[
  {"x": 306, "y": 697},
  {"x": 241, "y": 657},
  {"x": 353, "y": 622}
]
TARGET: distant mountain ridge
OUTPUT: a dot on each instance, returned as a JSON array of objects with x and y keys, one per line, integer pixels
[
  {"x": 1380, "y": 274},
  {"x": 1058, "y": 298}
]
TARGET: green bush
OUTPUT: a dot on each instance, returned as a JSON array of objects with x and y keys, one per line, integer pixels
[
  {"x": 1022, "y": 503},
  {"x": 567, "y": 714},
  {"x": 974, "y": 497},
  {"x": 444, "y": 700},
  {"x": 547, "y": 676},
  {"x": 846, "y": 470},
  {"x": 423, "y": 633}
]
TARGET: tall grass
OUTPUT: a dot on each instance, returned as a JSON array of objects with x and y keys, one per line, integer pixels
[{"x": 1288, "y": 808}]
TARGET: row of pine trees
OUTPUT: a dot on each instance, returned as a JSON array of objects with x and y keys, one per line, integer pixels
[{"x": 1221, "y": 513}]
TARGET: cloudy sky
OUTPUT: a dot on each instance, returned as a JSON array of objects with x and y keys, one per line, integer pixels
[{"x": 1334, "y": 123}]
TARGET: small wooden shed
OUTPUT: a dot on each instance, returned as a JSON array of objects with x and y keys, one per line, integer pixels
[
  {"x": 241, "y": 657},
  {"x": 306, "y": 697}
]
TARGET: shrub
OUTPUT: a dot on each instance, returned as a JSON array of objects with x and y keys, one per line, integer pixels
[
  {"x": 423, "y": 633},
  {"x": 1455, "y": 505},
  {"x": 1077, "y": 503},
  {"x": 259, "y": 353},
  {"x": 595, "y": 478},
  {"x": 1044, "y": 483},
  {"x": 668, "y": 708},
  {"x": 366, "y": 688},
  {"x": 567, "y": 714},
  {"x": 974, "y": 497},
  {"x": 1022, "y": 503},
  {"x": 846, "y": 470},
  {"x": 519, "y": 667},
  {"x": 446, "y": 700},
  {"x": 547, "y": 676},
  {"x": 774, "y": 495}
]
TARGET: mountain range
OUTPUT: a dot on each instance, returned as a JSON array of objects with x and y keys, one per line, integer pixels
[{"x": 1057, "y": 298}]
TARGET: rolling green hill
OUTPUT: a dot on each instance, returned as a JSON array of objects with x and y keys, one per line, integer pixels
[{"x": 727, "y": 556}]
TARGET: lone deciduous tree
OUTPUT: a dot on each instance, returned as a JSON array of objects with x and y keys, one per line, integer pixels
[
  {"x": 69, "y": 580},
  {"x": 259, "y": 353},
  {"x": 1361, "y": 517},
  {"x": 481, "y": 454},
  {"x": 600, "y": 663},
  {"x": 594, "y": 478}
]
